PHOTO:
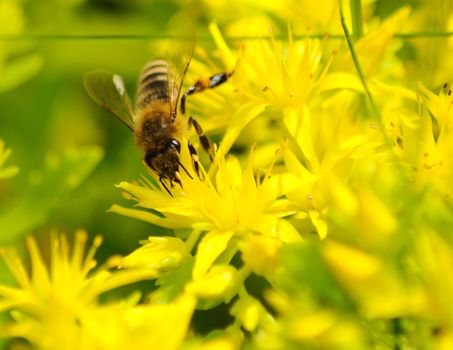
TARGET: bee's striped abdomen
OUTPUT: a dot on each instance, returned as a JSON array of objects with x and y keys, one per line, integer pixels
[{"x": 153, "y": 84}]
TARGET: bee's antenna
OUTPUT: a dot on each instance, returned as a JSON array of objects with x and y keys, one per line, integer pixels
[{"x": 182, "y": 166}]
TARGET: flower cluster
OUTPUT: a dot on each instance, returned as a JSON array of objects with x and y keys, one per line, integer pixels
[
  {"x": 324, "y": 220},
  {"x": 57, "y": 306},
  {"x": 339, "y": 175}
]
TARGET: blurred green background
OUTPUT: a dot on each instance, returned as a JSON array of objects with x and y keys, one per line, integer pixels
[{"x": 52, "y": 125}]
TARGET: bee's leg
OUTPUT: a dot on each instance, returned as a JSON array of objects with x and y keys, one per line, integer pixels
[
  {"x": 161, "y": 180},
  {"x": 203, "y": 138},
  {"x": 203, "y": 84},
  {"x": 194, "y": 155}
]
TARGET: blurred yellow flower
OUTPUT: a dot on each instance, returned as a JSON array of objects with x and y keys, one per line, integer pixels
[
  {"x": 229, "y": 339},
  {"x": 149, "y": 326},
  {"x": 434, "y": 256},
  {"x": 306, "y": 324},
  {"x": 51, "y": 303},
  {"x": 248, "y": 311},
  {"x": 260, "y": 253},
  {"x": 376, "y": 286},
  {"x": 433, "y": 141}
]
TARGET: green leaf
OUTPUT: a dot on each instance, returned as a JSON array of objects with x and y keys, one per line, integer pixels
[{"x": 62, "y": 174}]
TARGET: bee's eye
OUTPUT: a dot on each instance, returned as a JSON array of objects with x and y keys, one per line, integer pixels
[{"x": 175, "y": 145}]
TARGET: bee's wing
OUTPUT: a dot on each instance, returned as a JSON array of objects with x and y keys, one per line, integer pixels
[
  {"x": 108, "y": 90},
  {"x": 179, "y": 57}
]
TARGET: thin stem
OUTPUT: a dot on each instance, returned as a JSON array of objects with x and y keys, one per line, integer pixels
[
  {"x": 205, "y": 38},
  {"x": 192, "y": 239},
  {"x": 373, "y": 108},
  {"x": 356, "y": 18},
  {"x": 358, "y": 67}
]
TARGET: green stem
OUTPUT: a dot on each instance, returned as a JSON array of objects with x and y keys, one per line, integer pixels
[
  {"x": 356, "y": 18},
  {"x": 374, "y": 111},
  {"x": 372, "y": 106},
  {"x": 398, "y": 332},
  {"x": 192, "y": 240},
  {"x": 205, "y": 38}
]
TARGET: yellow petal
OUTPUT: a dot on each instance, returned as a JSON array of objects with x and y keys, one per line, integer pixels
[
  {"x": 377, "y": 219},
  {"x": 319, "y": 223},
  {"x": 247, "y": 310},
  {"x": 341, "y": 80},
  {"x": 350, "y": 262},
  {"x": 220, "y": 282},
  {"x": 160, "y": 253},
  {"x": 260, "y": 253},
  {"x": 309, "y": 327},
  {"x": 209, "y": 249}
]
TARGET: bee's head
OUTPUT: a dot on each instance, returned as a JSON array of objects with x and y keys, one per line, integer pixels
[{"x": 165, "y": 161}]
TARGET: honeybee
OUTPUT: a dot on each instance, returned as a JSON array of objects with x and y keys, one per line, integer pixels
[{"x": 155, "y": 121}]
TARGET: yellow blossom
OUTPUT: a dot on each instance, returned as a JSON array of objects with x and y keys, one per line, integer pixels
[
  {"x": 220, "y": 282},
  {"x": 374, "y": 285},
  {"x": 306, "y": 324},
  {"x": 153, "y": 326},
  {"x": 50, "y": 303},
  {"x": 229, "y": 339},
  {"x": 435, "y": 257},
  {"x": 260, "y": 253},
  {"x": 327, "y": 147},
  {"x": 270, "y": 78},
  {"x": 287, "y": 81},
  {"x": 158, "y": 253},
  {"x": 431, "y": 143},
  {"x": 234, "y": 205},
  {"x": 248, "y": 311}
]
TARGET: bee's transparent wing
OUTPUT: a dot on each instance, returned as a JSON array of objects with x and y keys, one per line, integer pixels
[
  {"x": 179, "y": 54},
  {"x": 108, "y": 90}
]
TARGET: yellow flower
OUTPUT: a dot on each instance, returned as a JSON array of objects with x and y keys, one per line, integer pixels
[
  {"x": 9, "y": 171},
  {"x": 228, "y": 209},
  {"x": 377, "y": 48},
  {"x": 121, "y": 327},
  {"x": 157, "y": 253},
  {"x": 260, "y": 253},
  {"x": 304, "y": 324},
  {"x": 327, "y": 146},
  {"x": 290, "y": 82},
  {"x": 376, "y": 286},
  {"x": 229, "y": 339},
  {"x": 332, "y": 140},
  {"x": 434, "y": 256},
  {"x": 50, "y": 303},
  {"x": 248, "y": 311},
  {"x": 281, "y": 74},
  {"x": 429, "y": 147},
  {"x": 220, "y": 282},
  {"x": 270, "y": 78}
]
